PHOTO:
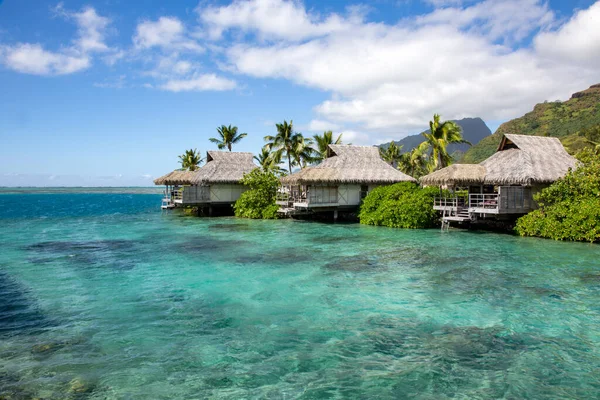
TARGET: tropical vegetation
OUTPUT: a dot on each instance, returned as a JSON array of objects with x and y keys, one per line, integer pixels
[
  {"x": 416, "y": 163},
  {"x": 570, "y": 207},
  {"x": 290, "y": 145},
  {"x": 258, "y": 202},
  {"x": 391, "y": 154},
  {"x": 440, "y": 135},
  {"x": 190, "y": 160},
  {"x": 402, "y": 205},
  {"x": 269, "y": 162},
  {"x": 228, "y": 136},
  {"x": 322, "y": 142}
]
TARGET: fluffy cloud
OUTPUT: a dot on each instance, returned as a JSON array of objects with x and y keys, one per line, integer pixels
[
  {"x": 198, "y": 83},
  {"x": 505, "y": 20},
  {"x": 273, "y": 19},
  {"x": 577, "y": 41},
  {"x": 320, "y": 125},
  {"x": 390, "y": 78},
  {"x": 32, "y": 58},
  {"x": 167, "y": 33}
]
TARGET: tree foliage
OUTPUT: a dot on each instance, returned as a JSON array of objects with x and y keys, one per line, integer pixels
[
  {"x": 190, "y": 160},
  {"x": 322, "y": 142},
  {"x": 259, "y": 201},
  {"x": 402, "y": 205},
  {"x": 570, "y": 207},
  {"x": 269, "y": 161},
  {"x": 440, "y": 135},
  {"x": 228, "y": 136},
  {"x": 416, "y": 163},
  {"x": 391, "y": 154}
]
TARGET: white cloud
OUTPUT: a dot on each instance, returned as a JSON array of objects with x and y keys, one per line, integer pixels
[
  {"x": 577, "y": 41},
  {"x": 167, "y": 33},
  {"x": 92, "y": 28},
  {"x": 356, "y": 138},
  {"x": 508, "y": 20},
  {"x": 32, "y": 58},
  {"x": 320, "y": 125},
  {"x": 274, "y": 19},
  {"x": 389, "y": 79},
  {"x": 206, "y": 82}
]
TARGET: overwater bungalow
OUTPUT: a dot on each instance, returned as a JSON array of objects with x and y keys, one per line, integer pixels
[
  {"x": 217, "y": 183},
  {"x": 502, "y": 186},
  {"x": 338, "y": 183}
]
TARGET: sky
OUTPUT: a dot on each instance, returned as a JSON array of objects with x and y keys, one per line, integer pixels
[{"x": 108, "y": 93}]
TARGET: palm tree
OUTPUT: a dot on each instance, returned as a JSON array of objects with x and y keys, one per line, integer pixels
[
  {"x": 190, "y": 160},
  {"x": 392, "y": 154},
  {"x": 440, "y": 135},
  {"x": 302, "y": 150},
  {"x": 322, "y": 142},
  {"x": 416, "y": 163},
  {"x": 228, "y": 136},
  {"x": 283, "y": 144},
  {"x": 269, "y": 161}
]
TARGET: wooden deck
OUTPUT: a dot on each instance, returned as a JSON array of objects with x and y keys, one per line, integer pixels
[{"x": 511, "y": 200}]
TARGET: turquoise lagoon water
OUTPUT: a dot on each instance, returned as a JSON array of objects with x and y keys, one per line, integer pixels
[{"x": 103, "y": 296}]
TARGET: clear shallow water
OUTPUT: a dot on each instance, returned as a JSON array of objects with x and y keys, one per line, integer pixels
[{"x": 103, "y": 296}]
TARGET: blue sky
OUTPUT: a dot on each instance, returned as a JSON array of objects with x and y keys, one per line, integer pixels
[{"x": 110, "y": 92}]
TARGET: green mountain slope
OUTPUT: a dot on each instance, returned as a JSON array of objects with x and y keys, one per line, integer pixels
[{"x": 564, "y": 120}]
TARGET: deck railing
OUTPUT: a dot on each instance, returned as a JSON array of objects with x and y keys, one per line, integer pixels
[
  {"x": 450, "y": 202},
  {"x": 485, "y": 201}
]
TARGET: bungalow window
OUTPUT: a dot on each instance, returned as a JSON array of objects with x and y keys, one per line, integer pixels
[{"x": 364, "y": 190}]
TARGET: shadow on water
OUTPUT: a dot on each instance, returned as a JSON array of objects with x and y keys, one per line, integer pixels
[
  {"x": 19, "y": 314},
  {"x": 230, "y": 227},
  {"x": 115, "y": 254},
  {"x": 208, "y": 244},
  {"x": 285, "y": 256},
  {"x": 357, "y": 263}
]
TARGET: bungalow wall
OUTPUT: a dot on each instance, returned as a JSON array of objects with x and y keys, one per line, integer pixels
[
  {"x": 215, "y": 193},
  {"x": 226, "y": 193}
]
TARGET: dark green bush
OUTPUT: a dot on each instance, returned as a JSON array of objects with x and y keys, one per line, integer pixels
[
  {"x": 259, "y": 201},
  {"x": 570, "y": 207},
  {"x": 402, "y": 205}
]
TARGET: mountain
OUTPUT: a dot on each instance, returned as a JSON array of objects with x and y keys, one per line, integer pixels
[
  {"x": 566, "y": 120},
  {"x": 473, "y": 130}
]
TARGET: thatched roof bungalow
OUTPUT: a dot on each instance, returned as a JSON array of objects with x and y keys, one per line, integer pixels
[
  {"x": 223, "y": 167},
  {"x": 349, "y": 164},
  {"x": 527, "y": 160},
  {"x": 456, "y": 175},
  {"x": 341, "y": 180},
  {"x": 505, "y": 182},
  {"x": 216, "y": 182},
  {"x": 177, "y": 177}
]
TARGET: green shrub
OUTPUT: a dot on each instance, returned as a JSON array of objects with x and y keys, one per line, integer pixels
[
  {"x": 402, "y": 205},
  {"x": 259, "y": 201},
  {"x": 570, "y": 207}
]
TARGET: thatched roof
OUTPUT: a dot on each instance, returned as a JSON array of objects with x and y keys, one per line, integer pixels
[
  {"x": 176, "y": 177},
  {"x": 519, "y": 160},
  {"x": 224, "y": 167},
  {"x": 456, "y": 175},
  {"x": 526, "y": 159},
  {"x": 349, "y": 164}
]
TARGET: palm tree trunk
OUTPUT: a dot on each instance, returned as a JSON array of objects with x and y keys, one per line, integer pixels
[{"x": 289, "y": 162}]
